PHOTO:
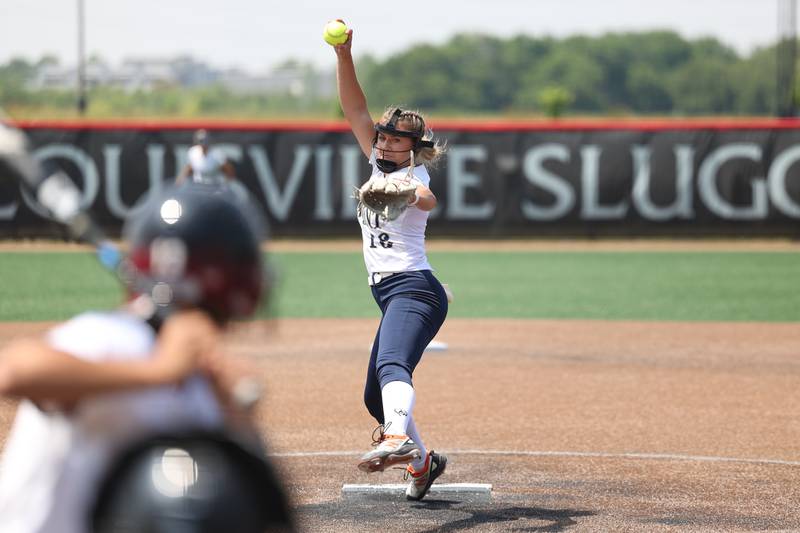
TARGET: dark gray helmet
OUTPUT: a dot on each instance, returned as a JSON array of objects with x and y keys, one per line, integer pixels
[
  {"x": 195, "y": 483},
  {"x": 197, "y": 245}
]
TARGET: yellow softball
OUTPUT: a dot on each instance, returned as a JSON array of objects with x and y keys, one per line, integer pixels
[{"x": 335, "y": 32}]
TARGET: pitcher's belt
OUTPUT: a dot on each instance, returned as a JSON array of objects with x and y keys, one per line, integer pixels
[{"x": 376, "y": 277}]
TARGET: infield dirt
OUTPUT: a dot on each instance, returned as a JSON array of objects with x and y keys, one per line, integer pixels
[{"x": 578, "y": 425}]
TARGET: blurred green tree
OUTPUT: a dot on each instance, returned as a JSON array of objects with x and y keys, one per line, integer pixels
[{"x": 554, "y": 101}]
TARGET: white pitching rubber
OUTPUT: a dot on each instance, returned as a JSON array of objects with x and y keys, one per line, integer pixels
[{"x": 393, "y": 489}]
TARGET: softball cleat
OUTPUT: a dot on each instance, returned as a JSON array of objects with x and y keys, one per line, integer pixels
[
  {"x": 391, "y": 450},
  {"x": 421, "y": 482}
]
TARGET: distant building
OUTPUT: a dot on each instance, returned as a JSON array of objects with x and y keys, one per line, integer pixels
[
  {"x": 55, "y": 76},
  {"x": 143, "y": 74},
  {"x": 296, "y": 80}
]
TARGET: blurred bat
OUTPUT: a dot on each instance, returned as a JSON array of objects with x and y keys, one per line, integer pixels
[{"x": 53, "y": 189}]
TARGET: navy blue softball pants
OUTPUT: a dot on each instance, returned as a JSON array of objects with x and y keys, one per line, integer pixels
[{"x": 414, "y": 306}]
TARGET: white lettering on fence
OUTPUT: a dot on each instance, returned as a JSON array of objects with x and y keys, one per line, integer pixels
[
  {"x": 681, "y": 207},
  {"x": 469, "y": 196},
  {"x": 279, "y": 202},
  {"x": 778, "y": 189},
  {"x": 459, "y": 179},
  {"x": 590, "y": 184},
  {"x": 709, "y": 188},
  {"x": 536, "y": 174}
]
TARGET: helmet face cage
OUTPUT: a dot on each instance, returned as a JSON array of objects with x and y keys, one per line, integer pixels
[
  {"x": 390, "y": 128},
  {"x": 388, "y": 166},
  {"x": 196, "y": 246}
]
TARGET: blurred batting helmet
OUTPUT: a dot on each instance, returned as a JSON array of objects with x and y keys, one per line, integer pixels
[
  {"x": 197, "y": 245},
  {"x": 199, "y": 483}
]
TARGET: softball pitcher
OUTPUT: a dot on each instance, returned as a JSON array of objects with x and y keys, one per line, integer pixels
[{"x": 412, "y": 301}]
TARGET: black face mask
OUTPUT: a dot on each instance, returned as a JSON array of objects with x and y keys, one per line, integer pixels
[
  {"x": 390, "y": 128},
  {"x": 387, "y": 167}
]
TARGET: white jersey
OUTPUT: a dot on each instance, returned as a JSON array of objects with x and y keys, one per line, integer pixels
[
  {"x": 53, "y": 461},
  {"x": 397, "y": 245},
  {"x": 206, "y": 166}
]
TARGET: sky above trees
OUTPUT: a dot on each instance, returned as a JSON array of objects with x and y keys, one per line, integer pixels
[{"x": 256, "y": 35}]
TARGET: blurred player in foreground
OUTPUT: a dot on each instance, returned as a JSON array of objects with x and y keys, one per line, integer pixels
[
  {"x": 413, "y": 302},
  {"x": 206, "y": 164},
  {"x": 151, "y": 371}
]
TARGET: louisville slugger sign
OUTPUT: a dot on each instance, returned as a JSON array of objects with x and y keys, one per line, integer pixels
[{"x": 600, "y": 179}]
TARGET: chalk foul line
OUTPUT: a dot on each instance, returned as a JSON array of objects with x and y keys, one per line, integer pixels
[{"x": 598, "y": 455}]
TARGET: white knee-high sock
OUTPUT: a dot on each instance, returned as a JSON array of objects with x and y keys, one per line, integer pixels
[
  {"x": 398, "y": 400},
  {"x": 411, "y": 431}
]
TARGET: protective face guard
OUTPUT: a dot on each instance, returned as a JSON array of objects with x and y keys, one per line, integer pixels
[{"x": 390, "y": 128}]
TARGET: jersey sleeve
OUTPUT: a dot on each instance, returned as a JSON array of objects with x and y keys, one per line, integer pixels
[
  {"x": 421, "y": 174},
  {"x": 97, "y": 336}
]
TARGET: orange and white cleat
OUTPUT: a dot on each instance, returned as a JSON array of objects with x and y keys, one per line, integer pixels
[
  {"x": 421, "y": 481},
  {"x": 389, "y": 450}
]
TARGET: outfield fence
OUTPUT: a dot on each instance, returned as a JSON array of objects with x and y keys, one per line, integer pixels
[{"x": 576, "y": 178}]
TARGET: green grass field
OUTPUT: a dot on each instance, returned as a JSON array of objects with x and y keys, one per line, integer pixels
[{"x": 715, "y": 286}]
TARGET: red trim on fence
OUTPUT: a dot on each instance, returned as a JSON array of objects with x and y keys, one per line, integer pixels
[
  {"x": 642, "y": 124},
  {"x": 161, "y": 125}
]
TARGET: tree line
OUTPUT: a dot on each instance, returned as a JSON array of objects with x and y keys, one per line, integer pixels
[
  {"x": 644, "y": 73},
  {"x": 652, "y": 73}
]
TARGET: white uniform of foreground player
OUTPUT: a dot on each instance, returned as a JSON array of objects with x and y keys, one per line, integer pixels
[
  {"x": 155, "y": 370},
  {"x": 54, "y": 459}
]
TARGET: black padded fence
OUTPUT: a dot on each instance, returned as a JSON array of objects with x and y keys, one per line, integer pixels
[{"x": 496, "y": 180}]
